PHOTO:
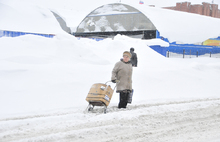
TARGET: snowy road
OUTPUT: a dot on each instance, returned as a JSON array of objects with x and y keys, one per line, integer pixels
[{"x": 179, "y": 121}]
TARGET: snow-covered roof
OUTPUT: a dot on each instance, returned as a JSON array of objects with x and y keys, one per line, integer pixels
[{"x": 175, "y": 25}]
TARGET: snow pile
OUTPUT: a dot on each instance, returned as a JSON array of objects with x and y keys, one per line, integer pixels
[
  {"x": 23, "y": 16},
  {"x": 53, "y": 73},
  {"x": 182, "y": 26}
]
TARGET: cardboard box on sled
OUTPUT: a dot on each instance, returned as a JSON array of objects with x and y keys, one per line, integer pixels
[{"x": 100, "y": 94}]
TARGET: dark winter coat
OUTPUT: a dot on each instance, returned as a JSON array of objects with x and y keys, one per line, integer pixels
[
  {"x": 134, "y": 59},
  {"x": 123, "y": 72}
]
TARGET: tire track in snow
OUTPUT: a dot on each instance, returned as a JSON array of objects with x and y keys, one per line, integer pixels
[
  {"x": 110, "y": 109},
  {"x": 195, "y": 124}
]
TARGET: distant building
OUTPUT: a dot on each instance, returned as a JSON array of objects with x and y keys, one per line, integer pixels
[{"x": 205, "y": 8}]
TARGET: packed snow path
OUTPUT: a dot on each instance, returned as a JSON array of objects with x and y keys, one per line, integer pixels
[{"x": 178, "y": 121}]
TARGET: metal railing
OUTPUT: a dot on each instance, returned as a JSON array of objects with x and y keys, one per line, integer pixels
[{"x": 192, "y": 54}]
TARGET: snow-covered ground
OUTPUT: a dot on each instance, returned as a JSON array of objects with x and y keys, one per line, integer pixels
[{"x": 44, "y": 83}]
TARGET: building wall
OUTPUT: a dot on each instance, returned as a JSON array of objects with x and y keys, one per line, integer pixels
[
  {"x": 214, "y": 10},
  {"x": 205, "y": 8},
  {"x": 185, "y": 6},
  {"x": 196, "y": 9},
  {"x": 218, "y": 16}
]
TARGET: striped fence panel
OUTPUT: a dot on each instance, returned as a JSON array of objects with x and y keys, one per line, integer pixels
[{"x": 4, "y": 33}]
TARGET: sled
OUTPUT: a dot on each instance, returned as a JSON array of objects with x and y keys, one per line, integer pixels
[{"x": 99, "y": 95}]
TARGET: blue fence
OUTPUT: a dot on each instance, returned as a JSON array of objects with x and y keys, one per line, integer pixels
[
  {"x": 190, "y": 49},
  {"x": 159, "y": 49},
  {"x": 185, "y": 49},
  {"x": 4, "y": 33}
]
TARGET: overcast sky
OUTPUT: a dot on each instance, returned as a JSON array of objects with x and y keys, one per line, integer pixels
[{"x": 162, "y": 3}]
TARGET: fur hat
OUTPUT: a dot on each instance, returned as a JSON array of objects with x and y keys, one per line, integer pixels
[{"x": 126, "y": 53}]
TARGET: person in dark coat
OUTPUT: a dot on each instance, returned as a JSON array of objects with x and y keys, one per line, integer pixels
[
  {"x": 122, "y": 71},
  {"x": 134, "y": 59}
]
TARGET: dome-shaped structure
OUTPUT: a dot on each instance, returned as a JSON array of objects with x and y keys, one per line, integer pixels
[
  {"x": 146, "y": 22},
  {"x": 109, "y": 20}
]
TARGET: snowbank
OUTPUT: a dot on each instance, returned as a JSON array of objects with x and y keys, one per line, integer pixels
[
  {"x": 42, "y": 74},
  {"x": 23, "y": 16}
]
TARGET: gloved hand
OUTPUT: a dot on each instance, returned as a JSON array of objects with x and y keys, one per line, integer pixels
[{"x": 114, "y": 81}]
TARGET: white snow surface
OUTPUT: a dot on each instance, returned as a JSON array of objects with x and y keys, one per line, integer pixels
[
  {"x": 180, "y": 26},
  {"x": 23, "y": 16},
  {"x": 44, "y": 83}
]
